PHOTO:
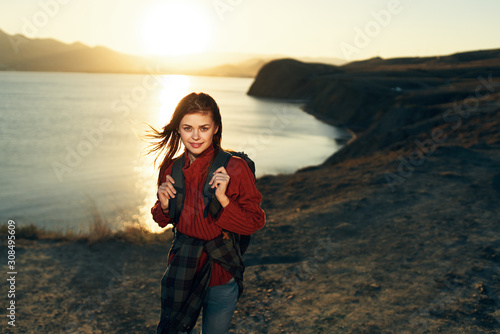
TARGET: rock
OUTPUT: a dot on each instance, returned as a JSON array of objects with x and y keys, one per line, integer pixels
[{"x": 345, "y": 230}]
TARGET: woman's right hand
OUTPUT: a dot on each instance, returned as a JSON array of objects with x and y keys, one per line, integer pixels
[{"x": 166, "y": 191}]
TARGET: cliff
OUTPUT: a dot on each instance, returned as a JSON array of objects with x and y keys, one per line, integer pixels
[
  {"x": 405, "y": 217},
  {"x": 387, "y": 103}
]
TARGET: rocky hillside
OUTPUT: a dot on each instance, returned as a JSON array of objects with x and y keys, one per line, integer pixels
[
  {"x": 387, "y": 102},
  {"x": 410, "y": 205}
]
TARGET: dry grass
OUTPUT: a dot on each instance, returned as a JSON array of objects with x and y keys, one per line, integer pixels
[{"x": 99, "y": 231}]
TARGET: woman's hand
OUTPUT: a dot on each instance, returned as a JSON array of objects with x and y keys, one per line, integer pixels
[
  {"x": 166, "y": 191},
  {"x": 220, "y": 180}
]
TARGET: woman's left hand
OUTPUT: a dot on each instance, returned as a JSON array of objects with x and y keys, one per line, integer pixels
[{"x": 220, "y": 180}]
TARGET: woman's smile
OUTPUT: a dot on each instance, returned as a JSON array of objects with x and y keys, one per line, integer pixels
[{"x": 195, "y": 145}]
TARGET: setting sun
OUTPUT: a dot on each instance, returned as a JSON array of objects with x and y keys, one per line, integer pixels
[{"x": 175, "y": 28}]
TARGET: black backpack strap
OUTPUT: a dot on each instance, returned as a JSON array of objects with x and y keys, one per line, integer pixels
[
  {"x": 212, "y": 205},
  {"x": 176, "y": 204}
]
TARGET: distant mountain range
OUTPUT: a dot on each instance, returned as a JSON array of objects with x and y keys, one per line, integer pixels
[{"x": 19, "y": 53}]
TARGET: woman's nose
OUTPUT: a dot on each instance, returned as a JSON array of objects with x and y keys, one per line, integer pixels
[{"x": 196, "y": 134}]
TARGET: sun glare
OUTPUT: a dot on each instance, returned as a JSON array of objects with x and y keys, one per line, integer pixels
[
  {"x": 175, "y": 28},
  {"x": 174, "y": 88}
]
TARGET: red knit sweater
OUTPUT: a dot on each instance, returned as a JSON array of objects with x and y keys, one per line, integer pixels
[{"x": 242, "y": 215}]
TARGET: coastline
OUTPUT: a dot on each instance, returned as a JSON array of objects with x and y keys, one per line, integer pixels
[
  {"x": 46, "y": 210},
  {"x": 391, "y": 237}
]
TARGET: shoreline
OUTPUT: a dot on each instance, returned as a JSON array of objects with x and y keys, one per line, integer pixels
[{"x": 394, "y": 238}]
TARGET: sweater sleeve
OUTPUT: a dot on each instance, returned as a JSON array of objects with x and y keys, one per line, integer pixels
[
  {"x": 158, "y": 216},
  {"x": 243, "y": 214}
]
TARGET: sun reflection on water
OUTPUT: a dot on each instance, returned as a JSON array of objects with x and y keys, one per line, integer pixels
[
  {"x": 147, "y": 185},
  {"x": 174, "y": 88}
]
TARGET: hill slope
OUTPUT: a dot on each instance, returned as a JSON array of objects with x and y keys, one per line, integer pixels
[
  {"x": 389, "y": 101},
  {"x": 19, "y": 53},
  {"x": 410, "y": 205}
]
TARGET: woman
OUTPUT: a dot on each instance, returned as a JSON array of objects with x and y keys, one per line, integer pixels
[{"x": 205, "y": 269}]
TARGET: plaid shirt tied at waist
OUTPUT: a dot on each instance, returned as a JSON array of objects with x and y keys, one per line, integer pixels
[{"x": 183, "y": 289}]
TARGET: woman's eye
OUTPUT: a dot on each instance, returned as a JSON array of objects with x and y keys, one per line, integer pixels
[
  {"x": 204, "y": 129},
  {"x": 187, "y": 129}
]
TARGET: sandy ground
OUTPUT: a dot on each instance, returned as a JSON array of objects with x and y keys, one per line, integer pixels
[{"x": 342, "y": 252}]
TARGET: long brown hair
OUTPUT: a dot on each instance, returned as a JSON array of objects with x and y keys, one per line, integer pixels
[{"x": 167, "y": 142}]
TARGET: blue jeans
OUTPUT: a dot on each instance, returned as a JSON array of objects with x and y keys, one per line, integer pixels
[{"x": 218, "y": 307}]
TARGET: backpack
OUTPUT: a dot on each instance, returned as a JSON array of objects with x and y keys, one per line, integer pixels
[{"x": 212, "y": 205}]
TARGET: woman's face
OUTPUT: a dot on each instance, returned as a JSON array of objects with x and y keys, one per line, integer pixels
[{"x": 197, "y": 131}]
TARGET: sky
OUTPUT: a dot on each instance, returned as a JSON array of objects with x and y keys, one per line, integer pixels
[{"x": 344, "y": 29}]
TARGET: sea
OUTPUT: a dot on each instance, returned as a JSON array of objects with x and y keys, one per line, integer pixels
[{"x": 73, "y": 148}]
